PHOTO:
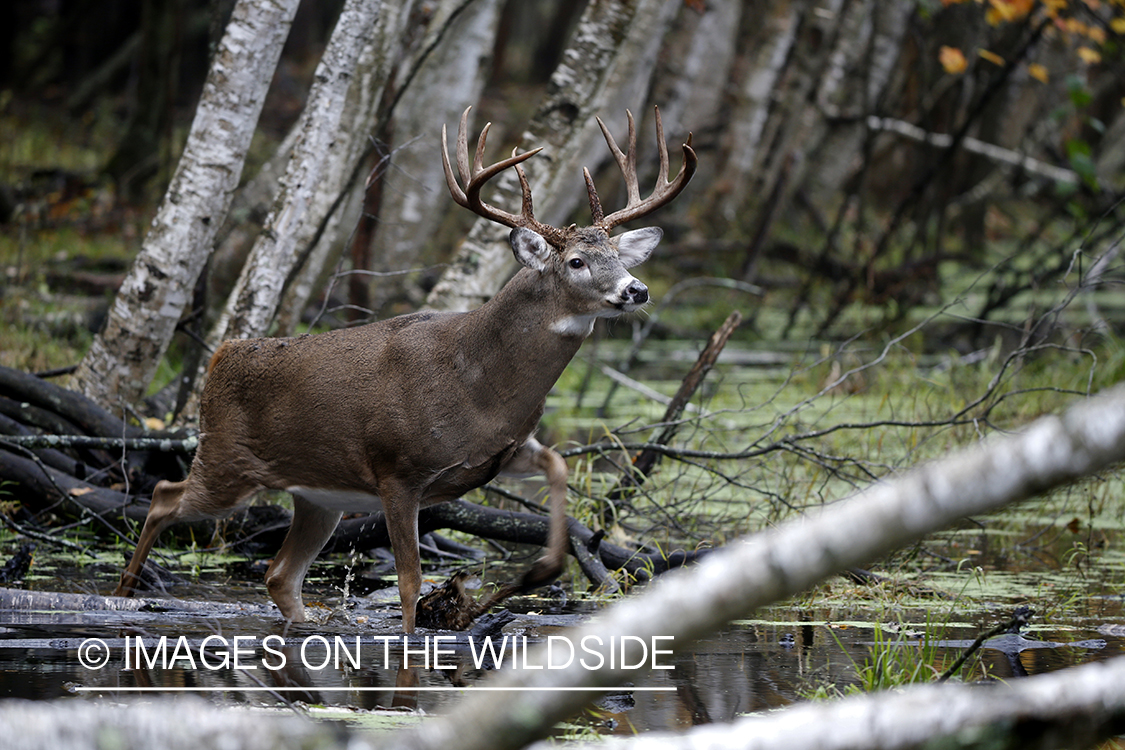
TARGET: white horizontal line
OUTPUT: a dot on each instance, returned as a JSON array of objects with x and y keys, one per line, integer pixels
[{"x": 431, "y": 689}]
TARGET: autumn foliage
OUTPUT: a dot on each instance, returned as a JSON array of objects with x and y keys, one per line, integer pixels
[{"x": 1091, "y": 28}]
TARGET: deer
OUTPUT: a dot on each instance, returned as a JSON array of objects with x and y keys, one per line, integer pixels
[{"x": 421, "y": 408}]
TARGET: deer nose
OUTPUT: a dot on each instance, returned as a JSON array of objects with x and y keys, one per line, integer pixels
[{"x": 636, "y": 293}]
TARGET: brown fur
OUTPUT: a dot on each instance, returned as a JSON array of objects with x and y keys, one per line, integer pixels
[{"x": 413, "y": 410}]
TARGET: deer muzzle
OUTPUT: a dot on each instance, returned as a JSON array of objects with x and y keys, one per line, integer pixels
[{"x": 634, "y": 295}]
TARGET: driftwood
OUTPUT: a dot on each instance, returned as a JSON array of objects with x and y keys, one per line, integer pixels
[{"x": 18, "y": 600}]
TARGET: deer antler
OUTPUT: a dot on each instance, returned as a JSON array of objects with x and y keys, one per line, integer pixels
[
  {"x": 476, "y": 176},
  {"x": 664, "y": 191}
]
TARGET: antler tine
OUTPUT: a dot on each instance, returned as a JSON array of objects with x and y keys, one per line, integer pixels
[
  {"x": 527, "y": 208},
  {"x": 662, "y": 149},
  {"x": 627, "y": 163},
  {"x": 463, "y": 147},
  {"x": 664, "y": 191},
  {"x": 596, "y": 213},
  {"x": 478, "y": 157},
  {"x": 451, "y": 181},
  {"x": 475, "y": 175}
]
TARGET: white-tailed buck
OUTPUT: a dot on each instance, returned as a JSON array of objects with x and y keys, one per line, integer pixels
[{"x": 421, "y": 408}]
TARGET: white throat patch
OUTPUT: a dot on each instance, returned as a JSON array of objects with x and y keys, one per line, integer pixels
[{"x": 574, "y": 325}]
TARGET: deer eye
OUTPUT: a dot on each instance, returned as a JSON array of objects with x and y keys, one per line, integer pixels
[{"x": 576, "y": 263}]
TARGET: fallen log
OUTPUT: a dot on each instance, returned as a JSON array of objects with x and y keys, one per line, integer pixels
[
  {"x": 370, "y": 531},
  {"x": 87, "y": 415}
]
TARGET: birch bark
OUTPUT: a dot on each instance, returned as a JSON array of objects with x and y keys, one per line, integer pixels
[
  {"x": 414, "y": 192},
  {"x": 1070, "y": 708},
  {"x": 124, "y": 356},
  {"x": 339, "y": 198},
  {"x": 769, "y": 48},
  {"x": 289, "y": 226},
  {"x": 397, "y": 53}
]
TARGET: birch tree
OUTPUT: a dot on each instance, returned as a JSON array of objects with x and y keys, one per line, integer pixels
[
  {"x": 256, "y": 296},
  {"x": 414, "y": 196},
  {"x": 397, "y": 72},
  {"x": 1069, "y": 708},
  {"x": 339, "y": 199},
  {"x": 124, "y": 356}
]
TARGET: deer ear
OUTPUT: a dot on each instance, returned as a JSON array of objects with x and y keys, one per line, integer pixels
[
  {"x": 634, "y": 247},
  {"x": 530, "y": 248}
]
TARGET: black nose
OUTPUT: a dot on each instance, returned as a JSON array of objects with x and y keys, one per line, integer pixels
[{"x": 636, "y": 293}]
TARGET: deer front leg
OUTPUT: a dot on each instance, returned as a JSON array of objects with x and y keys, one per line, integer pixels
[
  {"x": 308, "y": 533},
  {"x": 402, "y": 528},
  {"x": 163, "y": 511},
  {"x": 535, "y": 458}
]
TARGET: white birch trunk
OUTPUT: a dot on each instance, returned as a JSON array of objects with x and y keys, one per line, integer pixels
[
  {"x": 336, "y": 211},
  {"x": 855, "y": 83},
  {"x": 398, "y": 51},
  {"x": 1065, "y": 709},
  {"x": 731, "y": 583},
  {"x": 766, "y": 60},
  {"x": 123, "y": 358},
  {"x": 606, "y": 64},
  {"x": 248, "y": 211},
  {"x": 289, "y": 227},
  {"x": 414, "y": 192},
  {"x": 695, "y": 69}
]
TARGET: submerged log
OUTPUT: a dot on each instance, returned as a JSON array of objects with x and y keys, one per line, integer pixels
[
  {"x": 507, "y": 526},
  {"x": 18, "y": 600}
]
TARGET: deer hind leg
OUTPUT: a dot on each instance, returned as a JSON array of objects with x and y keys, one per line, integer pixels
[
  {"x": 308, "y": 533},
  {"x": 162, "y": 513},
  {"x": 535, "y": 458}
]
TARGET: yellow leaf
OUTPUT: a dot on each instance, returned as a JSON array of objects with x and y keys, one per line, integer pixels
[
  {"x": 1118, "y": 25},
  {"x": 953, "y": 60},
  {"x": 1089, "y": 55},
  {"x": 152, "y": 423},
  {"x": 1038, "y": 72},
  {"x": 992, "y": 57},
  {"x": 1006, "y": 11}
]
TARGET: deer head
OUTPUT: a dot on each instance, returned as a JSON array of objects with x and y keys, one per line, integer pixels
[{"x": 588, "y": 258}]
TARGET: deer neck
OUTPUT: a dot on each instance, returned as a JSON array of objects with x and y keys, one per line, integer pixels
[{"x": 511, "y": 336}]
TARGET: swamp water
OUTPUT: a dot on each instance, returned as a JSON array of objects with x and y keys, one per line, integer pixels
[
  {"x": 1060, "y": 555},
  {"x": 787, "y": 653}
]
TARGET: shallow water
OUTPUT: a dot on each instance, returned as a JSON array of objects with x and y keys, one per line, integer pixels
[{"x": 781, "y": 656}]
